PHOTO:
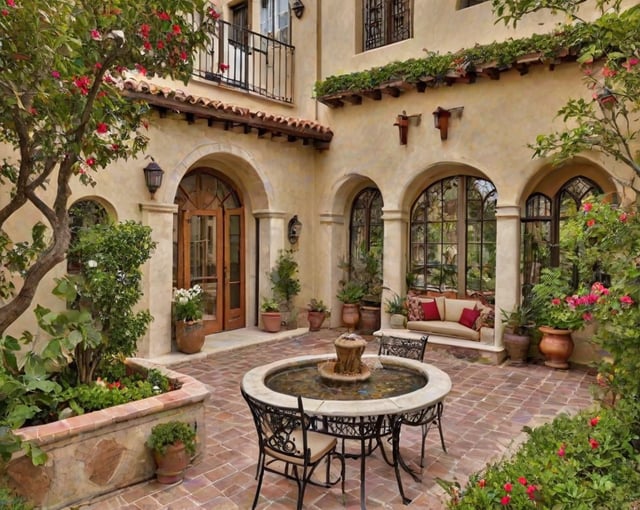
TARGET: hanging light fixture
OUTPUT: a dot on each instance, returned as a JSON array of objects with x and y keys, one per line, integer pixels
[
  {"x": 298, "y": 8},
  {"x": 153, "y": 176}
]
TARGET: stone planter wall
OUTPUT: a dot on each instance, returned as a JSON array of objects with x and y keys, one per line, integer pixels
[{"x": 103, "y": 451}]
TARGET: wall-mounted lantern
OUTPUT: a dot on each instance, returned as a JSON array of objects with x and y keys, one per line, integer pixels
[
  {"x": 295, "y": 227},
  {"x": 606, "y": 98},
  {"x": 153, "y": 176},
  {"x": 402, "y": 122},
  {"x": 441, "y": 119},
  {"x": 298, "y": 8}
]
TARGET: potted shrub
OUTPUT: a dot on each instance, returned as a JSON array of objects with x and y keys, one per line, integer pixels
[
  {"x": 350, "y": 295},
  {"x": 188, "y": 311},
  {"x": 516, "y": 333},
  {"x": 317, "y": 313},
  {"x": 173, "y": 444},
  {"x": 285, "y": 284},
  {"x": 396, "y": 306},
  {"x": 271, "y": 316}
]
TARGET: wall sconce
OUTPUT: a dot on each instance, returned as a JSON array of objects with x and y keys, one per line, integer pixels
[
  {"x": 153, "y": 176},
  {"x": 402, "y": 121},
  {"x": 441, "y": 119},
  {"x": 298, "y": 8},
  {"x": 295, "y": 227},
  {"x": 606, "y": 98}
]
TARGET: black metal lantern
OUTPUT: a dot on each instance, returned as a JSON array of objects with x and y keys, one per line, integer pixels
[
  {"x": 295, "y": 227},
  {"x": 298, "y": 8},
  {"x": 153, "y": 176}
]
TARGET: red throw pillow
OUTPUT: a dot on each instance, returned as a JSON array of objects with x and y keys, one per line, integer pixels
[
  {"x": 468, "y": 317},
  {"x": 430, "y": 311}
]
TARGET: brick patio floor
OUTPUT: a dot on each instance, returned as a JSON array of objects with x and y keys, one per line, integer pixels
[{"x": 483, "y": 418}]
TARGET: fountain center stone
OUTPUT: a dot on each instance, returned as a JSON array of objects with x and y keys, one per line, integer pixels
[{"x": 348, "y": 366}]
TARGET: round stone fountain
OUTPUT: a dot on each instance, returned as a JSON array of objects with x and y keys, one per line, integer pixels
[{"x": 348, "y": 367}]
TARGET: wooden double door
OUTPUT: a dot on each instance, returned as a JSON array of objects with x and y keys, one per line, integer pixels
[{"x": 209, "y": 244}]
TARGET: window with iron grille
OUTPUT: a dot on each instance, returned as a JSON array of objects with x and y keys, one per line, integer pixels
[
  {"x": 469, "y": 3},
  {"x": 386, "y": 22}
]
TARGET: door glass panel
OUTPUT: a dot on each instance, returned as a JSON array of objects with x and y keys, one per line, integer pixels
[
  {"x": 234, "y": 261},
  {"x": 203, "y": 260}
]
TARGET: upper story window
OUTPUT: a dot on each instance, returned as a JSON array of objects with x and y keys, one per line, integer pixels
[
  {"x": 275, "y": 19},
  {"x": 386, "y": 22},
  {"x": 469, "y": 3}
]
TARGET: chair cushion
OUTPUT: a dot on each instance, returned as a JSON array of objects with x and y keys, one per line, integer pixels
[
  {"x": 319, "y": 444},
  {"x": 430, "y": 311},
  {"x": 468, "y": 317}
]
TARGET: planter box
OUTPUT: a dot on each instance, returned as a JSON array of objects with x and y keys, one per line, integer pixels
[{"x": 105, "y": 450}]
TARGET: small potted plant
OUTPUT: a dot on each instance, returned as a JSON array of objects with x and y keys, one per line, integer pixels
[
  {"x": 317, "y": 313},
  {"x": 396, "y": 306},
  {"x": 173, "y": 444},
  {"x": 517, "y": 323},
  {"x": 271, "y": 316},
  {"x": 188, "y": 311}
]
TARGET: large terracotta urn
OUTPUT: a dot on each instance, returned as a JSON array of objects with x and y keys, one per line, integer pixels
[
  {"x": 189, "y": 336},
  {"x": 350, "y": 315},
  {"x": 271, "y": 321},
  {"x": 557, "y": 347},
  {"x": 369, "y": 319},
  {"x": 315, "y": 319}
]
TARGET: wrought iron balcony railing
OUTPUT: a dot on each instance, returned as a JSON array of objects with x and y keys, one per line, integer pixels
[{"x": 240, "y": 58}]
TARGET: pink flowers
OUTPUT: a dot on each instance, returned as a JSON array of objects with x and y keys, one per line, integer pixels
[
  {"x": 55, "y": 74},
  {"x": 631, "y": 63},
  {"x": 591, "y": 222},
  {"x": 626, "y": 300},
  {"x": 608, "y": 72},
  {"x": 505, "y": 500},
  {"x": 508, "y": 487},
  {"x": 562, "y": 450},
  {"x": 623, "y": 217},
  {"x": 95, "y": 35},
  {"x": 587, "y": 206}
]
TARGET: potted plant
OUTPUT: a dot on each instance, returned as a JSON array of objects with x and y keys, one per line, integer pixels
[
  {"x": 396, "y": 306},
  {"x": 350, "y": 295},
  {"x": 188, "y": 312},
  {"x": 516, "y": 333},
  {"x": 285, "y": 284},
  {"x": 173, "y": 444},
  {"x": 271, "y": 316},
  {"x": 317, "y": 313}
]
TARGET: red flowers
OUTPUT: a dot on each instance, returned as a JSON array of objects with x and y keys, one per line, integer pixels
[
  {"x": 626, "y": 300},
  {"x": 102, "y": 128},
  {"x": 591, "y": 222},
  {"x": 594, "y": 421},
  {"x": 505, "y": 500},
  {"x": 222, "y": 67},
  {"x": 587, "y": 206},
  {"x": 95, "y": 35},
  {"x": 594, "y": 444},
  {"x": 562, "y": 451},
  {"x": 82, "y": 83},
  {"x": 508, "y": 487}
]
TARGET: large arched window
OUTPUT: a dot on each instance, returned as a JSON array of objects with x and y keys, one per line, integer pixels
[
  {"x": 542, "y": 226},
  {"x": 83, "y": 214},
  {"x": 453, "y": 237},
  {"x": 365, "y": 226}
]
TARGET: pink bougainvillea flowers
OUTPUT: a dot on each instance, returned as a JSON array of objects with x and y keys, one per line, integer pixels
[
  {"x": 562, "y": 451},
  {"x": 626, "y": 300}
]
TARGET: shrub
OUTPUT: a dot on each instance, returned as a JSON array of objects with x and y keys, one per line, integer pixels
[{"x": 166, "y": 434}]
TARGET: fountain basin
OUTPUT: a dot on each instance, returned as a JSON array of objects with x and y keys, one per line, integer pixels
[{"x": 437, "y": 387}]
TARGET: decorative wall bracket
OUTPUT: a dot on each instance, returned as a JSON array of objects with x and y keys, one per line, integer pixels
[
  {"x": 441, "y": 119},
  {"x": 402, "y": 121}
]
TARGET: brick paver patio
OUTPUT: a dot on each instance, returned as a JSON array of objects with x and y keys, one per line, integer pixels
[{"x": 484, "y": 415}]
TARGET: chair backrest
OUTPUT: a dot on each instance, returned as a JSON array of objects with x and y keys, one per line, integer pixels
[
  {"x": 280, "y": 429},
  {"x": 411, "y": 348}
]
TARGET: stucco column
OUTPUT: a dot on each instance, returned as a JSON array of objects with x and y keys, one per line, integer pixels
[
  {"x": 507, "y": 263},
  {"x": 394, "y": 259},
  {"x": 332, "y": 248},
  {"x": 272, "y": 234},
  {"x": 157, "y": 281}
]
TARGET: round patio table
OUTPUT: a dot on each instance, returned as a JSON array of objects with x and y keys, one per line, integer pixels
[{"x": 361, "y": 420}]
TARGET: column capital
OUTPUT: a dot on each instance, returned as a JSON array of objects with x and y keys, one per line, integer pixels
[
  {"x": 508, "y": 211},
  {"x": 157, "y": 207}
]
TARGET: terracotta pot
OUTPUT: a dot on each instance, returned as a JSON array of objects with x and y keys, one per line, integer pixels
[
  {"x": 557, "y": 347},
  {"x": 350, "y": 315},
  {"x": 517, "y": 347},
  {"x": 172, "y": 464},
  {"x": 369, "y": 319},
  {"x": 189, "y": 336},
  {"x": 315, "y": 320},
  {"x": 271, "y": 321}
]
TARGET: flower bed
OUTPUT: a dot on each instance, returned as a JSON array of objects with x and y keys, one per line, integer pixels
[{"x": 103, "y": 451}]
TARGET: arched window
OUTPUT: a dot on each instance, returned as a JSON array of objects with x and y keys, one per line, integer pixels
[
  {"x": 542, "y": 226},
  {"x": 453, "y": 237},
  {"x": 83, "y": 214}
]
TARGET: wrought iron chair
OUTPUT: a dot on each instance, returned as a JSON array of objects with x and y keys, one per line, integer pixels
[
  {"x": 285, "y": 442},
  {"x": 414, "y": 349}
]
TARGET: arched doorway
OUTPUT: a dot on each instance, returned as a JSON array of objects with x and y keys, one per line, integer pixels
[{"x": 208, "y": 246}]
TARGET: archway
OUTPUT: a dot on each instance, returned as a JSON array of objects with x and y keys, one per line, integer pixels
[{"x": 209, "y": 246}]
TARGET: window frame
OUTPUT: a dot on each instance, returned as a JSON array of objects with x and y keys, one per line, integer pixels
[{"x": 393, "y": 28}]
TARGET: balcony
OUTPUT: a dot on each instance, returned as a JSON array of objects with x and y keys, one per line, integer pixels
[{"x": 246, "y": 60}]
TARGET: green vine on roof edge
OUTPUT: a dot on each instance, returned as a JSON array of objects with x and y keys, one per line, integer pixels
[{"x": 576, "y": 38}]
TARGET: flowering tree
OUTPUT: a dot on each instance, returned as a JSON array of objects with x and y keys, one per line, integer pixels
[
  {"x": 611, "y": 69},
  {"x": 62, "y": 113}
]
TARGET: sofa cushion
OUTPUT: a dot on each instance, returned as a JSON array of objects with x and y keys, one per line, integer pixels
[
  {"x": 414, "y": 309},
  {"x": 445, "y": 328},
  {"x": 453, "y": 308},
  {"x": 469, "y": 317},
  {"x": 430, "y": 311}
]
